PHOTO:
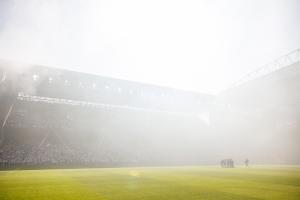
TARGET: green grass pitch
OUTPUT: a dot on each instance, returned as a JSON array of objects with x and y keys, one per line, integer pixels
[{"x": 163, "y": 183}]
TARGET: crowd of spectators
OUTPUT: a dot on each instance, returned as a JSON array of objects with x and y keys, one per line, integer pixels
[{"x": 52, "y": 154}]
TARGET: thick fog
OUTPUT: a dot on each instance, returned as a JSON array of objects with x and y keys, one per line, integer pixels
[
  {"x": 49, "y": 115},
  {"x": 195, "y": 45},
  {"x": 67, "y": 117}
]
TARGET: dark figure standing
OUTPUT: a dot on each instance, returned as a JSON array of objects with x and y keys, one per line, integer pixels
[{"x": 247, "y": 162}]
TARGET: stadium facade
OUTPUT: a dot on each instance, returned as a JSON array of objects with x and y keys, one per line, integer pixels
[
  {"x": 54, "y": 117},
  {"x": 262, "y": 113}
]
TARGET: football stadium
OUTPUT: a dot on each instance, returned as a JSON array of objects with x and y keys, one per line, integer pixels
[
  {"x": 131, "y": 134},
  {"x": 131, "y": 100}
]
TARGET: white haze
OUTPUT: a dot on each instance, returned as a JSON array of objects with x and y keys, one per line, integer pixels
[{"x": 195, "y": 45}]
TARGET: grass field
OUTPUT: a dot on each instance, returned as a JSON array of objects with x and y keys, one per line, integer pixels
[{"x": 185, "y": 183}]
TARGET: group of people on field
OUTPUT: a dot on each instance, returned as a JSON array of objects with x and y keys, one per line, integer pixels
[{"x": 228, "y": 163}]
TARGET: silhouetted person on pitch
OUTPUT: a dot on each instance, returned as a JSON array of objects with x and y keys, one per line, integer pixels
[{"x": 247, "y": 162}]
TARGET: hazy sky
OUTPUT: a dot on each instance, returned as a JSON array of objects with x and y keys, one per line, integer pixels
[{"x": 196, "y": 45}]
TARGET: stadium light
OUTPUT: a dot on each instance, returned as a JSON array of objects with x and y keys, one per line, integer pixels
[
  {"x": 67, "y": 82},
  {"x": 50, "y": 79},
  {"x": 35, "y": 77}
]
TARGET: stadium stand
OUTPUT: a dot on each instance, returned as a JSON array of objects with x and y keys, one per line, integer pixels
[
  {"x": 263, "y": 113},
  {"x": 53, "y": 117},
  {"x": 58, "y": 117}
]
